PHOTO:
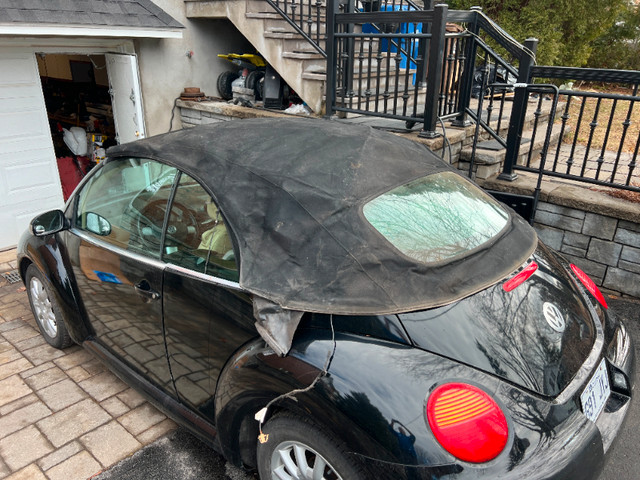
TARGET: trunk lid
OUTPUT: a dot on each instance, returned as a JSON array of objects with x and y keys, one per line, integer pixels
[{"x": 536, "y": 336}]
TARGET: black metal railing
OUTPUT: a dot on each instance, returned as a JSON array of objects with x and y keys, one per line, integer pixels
[
  {"x": 392, "y": 59},
  {"x": 597, "y": 139},
  {"x": 404, "y": 65},
  {"x": 379, "y": 68},
  {"x": 307, "y": 17}
]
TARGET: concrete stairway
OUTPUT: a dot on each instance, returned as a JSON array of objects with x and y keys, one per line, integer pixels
[
  {"x": 488, "y": 158},
  {"x": 297, "y": 62},
  {"x": 291, "y": 55}
]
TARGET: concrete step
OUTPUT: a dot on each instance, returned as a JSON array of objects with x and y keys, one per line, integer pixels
[
  {"x": 274, "y": 20},
  {"x": 530, "y": 116},
  {"x": 310, "y": 61},
  {"x": 491, "y": 160},
  {"x": 291, "y": 41}
]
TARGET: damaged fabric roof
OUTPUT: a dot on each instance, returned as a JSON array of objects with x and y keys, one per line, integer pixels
[
  {"x": 293, "y": 190},
  {"x": 105, "y": 13}
]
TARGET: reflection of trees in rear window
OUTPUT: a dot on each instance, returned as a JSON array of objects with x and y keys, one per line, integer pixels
[{"x": 437, "y": 217}]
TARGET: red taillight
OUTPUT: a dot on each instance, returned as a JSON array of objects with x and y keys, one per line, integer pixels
[
  {"x": 467, "y": 422},
  {"x": 589, "y": 285},
  {"x": 521, "y": 277}
]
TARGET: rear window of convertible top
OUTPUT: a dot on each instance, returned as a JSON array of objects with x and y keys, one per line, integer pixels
[{"x": 437, "y": 217}]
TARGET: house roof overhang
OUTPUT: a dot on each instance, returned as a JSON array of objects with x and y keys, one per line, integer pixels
[
  {"x": 87, "y": 18},
  {"x": 55, "y": 30}
]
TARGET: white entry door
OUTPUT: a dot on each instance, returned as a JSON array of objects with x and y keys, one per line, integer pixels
[
  {"x": 29, "y": 180},
  {"x": 126, "y": 96}
]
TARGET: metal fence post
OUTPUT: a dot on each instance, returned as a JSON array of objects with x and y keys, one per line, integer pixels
[
  {"x": 421, "y": 68},
  {"x": 466, "y": 79},
  {"x": 519, "y": 110},
  {"x": 330, "y": 87},
  {"x": 434, "y": 71},
  {"x": 348, "y": 54}
]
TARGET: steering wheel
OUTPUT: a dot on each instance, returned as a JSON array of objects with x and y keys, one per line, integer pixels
[{"x": 183, "y": 226}]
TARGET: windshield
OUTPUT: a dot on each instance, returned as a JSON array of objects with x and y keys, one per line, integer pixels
[{"x": 437, "y": 217}]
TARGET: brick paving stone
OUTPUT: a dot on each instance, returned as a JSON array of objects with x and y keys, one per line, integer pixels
[
  {"x": 110, "y": 443},
  {"x": 12, "y": 388},
  {"x": 73, "y": 422},
  {"x": 74, "y": 356},
  {"x": 14, "y": 453},
  {"x": 114, "y": 406},
  {"x": 18, "y": 295},
  {"x": 61, "y": 395},
  {"x": 157, "y": 431},
  {"x": 94, "y": 367},
  {"x": 19, "y": 334},
  {"x": 15, "y": 312},
  {"x": 7, "y": 256},
  {"x": 59, "y": 456},
  {"x": 10, "y": 324},
  {"x": 36, "y": 370},
  {"x": 140, "y": 419},
  {"x": 131, "y": 398},
  {"x": 11, "y": 368},
  {"x": 77, "y": 374},
  {"x": 42, "y": 354},
  {"x": 80, "y": 466},
  {"x": 21, "y": 402},
  {"x": 30, "y": 343},
  {"x": 31, "y": 472},
  {"x": 5, "y": 346},
  {"x": 103, "y": 386},
  {"x": 21, "y": 418},
  {"x": 4, "y": 470},
  {"x": 44, "y": 379},
  {"x": 10, "y": 355}
]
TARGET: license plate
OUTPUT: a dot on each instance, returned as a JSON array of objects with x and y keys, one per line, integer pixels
[{"x": 596, "y": 394}]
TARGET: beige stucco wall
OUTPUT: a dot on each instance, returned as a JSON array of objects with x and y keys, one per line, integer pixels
[{"x": 165, "y": 69}]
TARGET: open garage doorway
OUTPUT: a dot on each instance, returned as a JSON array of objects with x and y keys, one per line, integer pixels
[{"x": 92, "y": 102}]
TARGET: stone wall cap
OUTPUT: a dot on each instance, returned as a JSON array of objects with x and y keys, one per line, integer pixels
[
  {"x": 568, "y": 195},
  {"x": 229, "y": 109}
]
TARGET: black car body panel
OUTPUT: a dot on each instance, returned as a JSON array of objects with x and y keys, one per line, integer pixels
[
  {"x": 359, "y": 392},
  {"x": 187, "y": 340},
  {"x": 506, "y": 333}
]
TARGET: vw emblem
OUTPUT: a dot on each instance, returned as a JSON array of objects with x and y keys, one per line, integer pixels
[{"x": 553, "y": 316}]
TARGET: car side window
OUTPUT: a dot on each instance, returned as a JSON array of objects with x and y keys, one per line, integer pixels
[
  {"x": 197, "y": 237},
  {"x": 125, "y": 202}
]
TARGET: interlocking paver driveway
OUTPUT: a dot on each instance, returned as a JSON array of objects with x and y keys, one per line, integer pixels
[{"x": 63, "y": 415}]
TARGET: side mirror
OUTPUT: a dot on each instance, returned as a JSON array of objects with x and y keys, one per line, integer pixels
[
  {"x": 98, "y": 224},
  {"x": 48, "y": 223}
]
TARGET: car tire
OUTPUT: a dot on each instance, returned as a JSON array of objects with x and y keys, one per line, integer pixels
[
  {"x": 46, "y": 310},
  {"x": 225, "y": 79},
  {"x": 302, "y": 444}
]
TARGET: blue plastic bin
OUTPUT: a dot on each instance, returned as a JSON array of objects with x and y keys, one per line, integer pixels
[{"x": 404, "y": 43}]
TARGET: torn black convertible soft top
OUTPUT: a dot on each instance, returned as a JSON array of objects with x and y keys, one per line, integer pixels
[{"x": 292, "y": 192}]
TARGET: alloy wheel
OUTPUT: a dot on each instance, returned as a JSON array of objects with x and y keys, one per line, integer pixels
[
  {"x": 297, "y": 461},
  {"x": 42, "y": 306}
]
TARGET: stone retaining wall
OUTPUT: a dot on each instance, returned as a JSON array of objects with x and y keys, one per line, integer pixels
[{"x": 606, "y": 248}]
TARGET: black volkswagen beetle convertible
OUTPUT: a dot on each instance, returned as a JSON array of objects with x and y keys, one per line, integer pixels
[{"x": 321, "y": 301}]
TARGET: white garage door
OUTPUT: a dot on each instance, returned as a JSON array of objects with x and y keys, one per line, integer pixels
[{"x": 29, "y": 180}]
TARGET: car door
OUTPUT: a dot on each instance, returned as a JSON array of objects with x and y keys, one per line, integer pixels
[
  {"x": 118, "y": 222},
  {"x": 207, "y": 316}
]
